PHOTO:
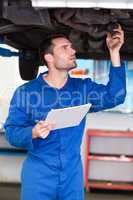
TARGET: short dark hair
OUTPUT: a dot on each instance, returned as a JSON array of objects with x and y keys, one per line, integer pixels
[{"x": 46, "y": 45}]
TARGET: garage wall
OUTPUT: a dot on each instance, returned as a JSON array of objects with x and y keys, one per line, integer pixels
[{"x": 9, "y": 80}]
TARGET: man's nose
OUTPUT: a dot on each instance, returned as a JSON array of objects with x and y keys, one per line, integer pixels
[{"x": 73, "y": 51}]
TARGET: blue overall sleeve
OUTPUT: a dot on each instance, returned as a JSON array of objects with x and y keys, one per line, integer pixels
[
  {"x": 110, "y": 95},
  {"x": 17, "y": 126}
]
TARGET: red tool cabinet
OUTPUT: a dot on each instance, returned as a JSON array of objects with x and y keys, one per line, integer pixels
[{"x": 106, "y": 158}]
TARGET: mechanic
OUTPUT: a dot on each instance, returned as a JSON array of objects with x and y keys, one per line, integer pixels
[{"x": 53, "y": 167}]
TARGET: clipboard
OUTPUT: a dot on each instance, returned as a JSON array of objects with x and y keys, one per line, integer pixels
[{"x": 68, "y": 117}]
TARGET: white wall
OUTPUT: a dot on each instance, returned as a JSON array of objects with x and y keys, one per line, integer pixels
[{"x": 9, "y": 80}]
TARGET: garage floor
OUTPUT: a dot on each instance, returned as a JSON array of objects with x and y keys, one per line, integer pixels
[{"x": 11, "y": 192}]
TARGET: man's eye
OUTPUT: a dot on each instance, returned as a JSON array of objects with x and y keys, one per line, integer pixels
[{"x": 65, "y": 48}]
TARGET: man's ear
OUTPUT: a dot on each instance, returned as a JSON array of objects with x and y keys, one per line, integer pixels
[{"x": 48, "y": 57}]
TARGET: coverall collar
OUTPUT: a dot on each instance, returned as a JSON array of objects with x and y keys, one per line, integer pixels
[{"x": 43, "y": 82}]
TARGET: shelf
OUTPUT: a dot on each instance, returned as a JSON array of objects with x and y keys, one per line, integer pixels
[
  {"x": 110, "y": 185},
  {"x": 107, "y": 133},
  {"x": 117, "y": 158},
  {"x": 121, "y": 158}
]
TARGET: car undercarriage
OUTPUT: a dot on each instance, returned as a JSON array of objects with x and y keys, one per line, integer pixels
[{"x": 24, "y": 27}]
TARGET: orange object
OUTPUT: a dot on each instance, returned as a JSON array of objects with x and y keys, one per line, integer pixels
[{"x": 80, "y": 72}]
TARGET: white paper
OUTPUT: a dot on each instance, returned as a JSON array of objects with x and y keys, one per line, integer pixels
[{"x": 68, "y": 117}]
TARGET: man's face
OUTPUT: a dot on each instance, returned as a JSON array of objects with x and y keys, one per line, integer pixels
[{"x": 64, "y": 57}]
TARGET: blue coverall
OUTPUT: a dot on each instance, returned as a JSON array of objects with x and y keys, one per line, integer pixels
[{"x": 53, "y": 168}]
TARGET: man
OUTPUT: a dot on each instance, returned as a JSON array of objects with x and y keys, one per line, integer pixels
[{"x": 53, "y": 169}]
